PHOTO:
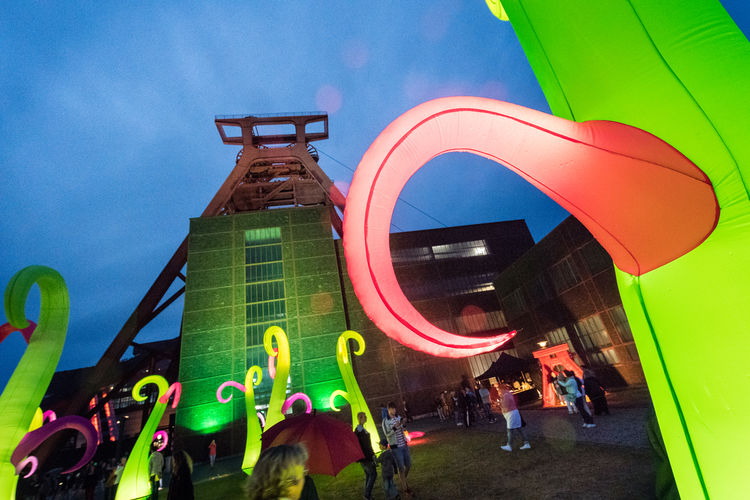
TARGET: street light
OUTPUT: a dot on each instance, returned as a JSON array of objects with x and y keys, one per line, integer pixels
[{"x": 542, "y": 344}]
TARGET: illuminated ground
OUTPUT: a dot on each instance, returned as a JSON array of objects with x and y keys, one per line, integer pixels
[{"x": 612, "y": 461}]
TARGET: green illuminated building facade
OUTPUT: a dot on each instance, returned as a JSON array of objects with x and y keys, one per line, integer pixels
[{"x": 247, "y": 272}]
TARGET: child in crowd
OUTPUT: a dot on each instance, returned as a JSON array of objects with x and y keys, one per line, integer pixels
[{"x": 387, "y": 470}]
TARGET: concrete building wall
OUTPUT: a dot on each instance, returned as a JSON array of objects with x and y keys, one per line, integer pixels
[
  {"x": 564, "y": 289},
  {"x": 223, "y": 320}
]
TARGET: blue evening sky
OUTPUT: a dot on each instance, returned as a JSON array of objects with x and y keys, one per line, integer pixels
[{"x": 108, "y": 146}]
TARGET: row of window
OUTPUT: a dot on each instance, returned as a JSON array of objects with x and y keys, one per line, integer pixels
[
  {"x": 560, "y": 277},
  {"x": 256, "y": 332},
  {"x": 595, "y": 338},
  {"x": 263, "y": 291},
  {"x": 459, "y": 285},
  {"x": 264, "y": 272},
  {"x": 460, "y": 250}
]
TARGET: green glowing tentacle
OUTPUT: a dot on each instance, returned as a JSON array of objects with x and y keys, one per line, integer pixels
[
  {"x": 134, "y": 482},
  {"x": 254, "y": 431},
  {"x": 353, "y": 393},
  {"x": 283, "y": 360},
  {"x": 332, "y": 399},
  {"x": 26, "y": 387}
]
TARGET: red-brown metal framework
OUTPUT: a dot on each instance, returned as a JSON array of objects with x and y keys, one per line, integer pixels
[{"x": 271, "y": 170}]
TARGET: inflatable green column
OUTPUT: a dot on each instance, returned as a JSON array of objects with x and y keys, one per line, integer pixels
[
  {"x": 283, "y": 361},
  {"x": 679, "y": 71},
  {"x": 134, "y": 483},
  {"x": 353, "y": 394},
  {"x": 26, "y": 387}
]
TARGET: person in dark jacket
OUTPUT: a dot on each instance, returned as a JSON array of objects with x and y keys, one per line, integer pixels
[
  {"x": 368, "y": 462},
  {"x": 388, "y": 469},
  {"x": 181, "y": 484},
  {"x": 595, "y": 392}
]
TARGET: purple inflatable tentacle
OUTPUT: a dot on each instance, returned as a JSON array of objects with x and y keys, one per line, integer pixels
[{"x": 34, "y": 438}]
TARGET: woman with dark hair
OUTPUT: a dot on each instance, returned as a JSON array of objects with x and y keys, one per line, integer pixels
[
  {"x": 595, "y": 392},
  {"x": 181, "y": 484},
  {"x": 279, "y": 474}
]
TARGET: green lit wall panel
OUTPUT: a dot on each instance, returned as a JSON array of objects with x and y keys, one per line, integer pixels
[
  {"x": 205, "y": 320},
  {"x": 236, "y": 271},
  {"x": 194, "y": 345}
]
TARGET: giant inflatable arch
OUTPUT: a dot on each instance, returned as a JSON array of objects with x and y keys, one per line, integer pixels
[{"x": 650, "y": 152}]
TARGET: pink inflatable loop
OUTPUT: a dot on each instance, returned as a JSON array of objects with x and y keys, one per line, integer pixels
[
  {"x": 175, "y": 389},
  {"x": 262, "y": 419},
  {"x": 632, "y": 168},
  {"x": 7, "y": 329},
  {"x": 34, "y": 438},
  {"x": 294, "y": 397},
  {"x": 49, "y": 416},
  {"x": 272, "y": 363},
  {"x": 228, "y": 383},
  {"x": 23, "y": 463},
  {"x": 163, "y": 436}
]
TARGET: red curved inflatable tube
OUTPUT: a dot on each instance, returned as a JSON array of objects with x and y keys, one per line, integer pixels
[{"x": 631, "y": 168}]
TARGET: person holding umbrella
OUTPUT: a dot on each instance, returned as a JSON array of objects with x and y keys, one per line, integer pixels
[{"x": 279, "y": 473}]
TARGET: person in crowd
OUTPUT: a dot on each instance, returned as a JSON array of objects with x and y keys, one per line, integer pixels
[
  {"x": 494, "y": 394},
  {"x": 393, "y": 428},
  {"x": 563, "y": 394},
  {"x": 212, "y": 453},
  {"x": 388, "y": 469},
  {"x": 484, "y": 394},
  {"x": 279, "y": 473},
  {"x": 439, "y": 409},
  {"x": 463, "y": 408},
  {"x": 90, "y": 479},
  {"x": 181, "y": 482},
  {"x": 118, "y": 474},
  {"x": 368, "y": 462},
  {"x": 155, "y": 469},
  {"x": 572, "y": 394},
  {"x": 445, "y": 401},
  {"x": 595, "y": 392},
  {"x": 513, "y": 419},
  {"x": 407, "y": 412},
  {"x": 456, "y": 409}
]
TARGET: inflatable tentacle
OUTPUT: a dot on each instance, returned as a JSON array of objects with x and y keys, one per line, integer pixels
[
  {"x": 28, "y": 460},
  {"x": 353, "y": 394},
  {"x": 278, "y": 392},
  {"x": 294, "y": 397},
  {"x": 26, "y": 387},
  {"x": 254, "y": 429},
  {"x": 33, "y": 439},
  {"x": 134, "y": 482},
  {"x": 174, "y": 389},
  {"x": 228, "y": 383},
  {"x": 164, "y": 436},
  {"x": 332, "y": 399}
]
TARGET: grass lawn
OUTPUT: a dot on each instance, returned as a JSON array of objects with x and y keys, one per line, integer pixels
[{"x": 456, "y": 464}]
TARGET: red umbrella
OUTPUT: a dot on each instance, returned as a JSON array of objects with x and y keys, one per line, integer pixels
[{"x": 331, "y": 443}]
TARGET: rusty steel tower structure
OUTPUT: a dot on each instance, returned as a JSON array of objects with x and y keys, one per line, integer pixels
[{"x": 276, "y": 167}]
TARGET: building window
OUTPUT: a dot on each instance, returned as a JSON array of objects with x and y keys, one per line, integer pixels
[
  {"x": 564, "y": 275},
  {"x": 632, "y": 352},
  {"x": 459, "y": 285},
  {"x": 459, "y": 250},
  {"x": 462, "y": 249},
  {"x": 603, "y": 358},
  {"x": 595, "y": 257},
  {"x": 592, "y": 333},
  {"x": 514, "y": 304},
  {"x": 559, "y": 336},
  {"x": 621, "y": 323},
  {"x": 541, "y": 291},
  {"x": 265, "y": 303}
]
